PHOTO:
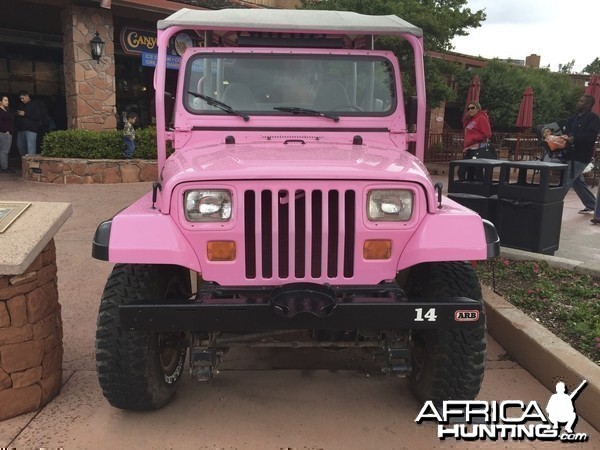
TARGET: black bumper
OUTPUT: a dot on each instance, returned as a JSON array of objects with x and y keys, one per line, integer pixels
[{"x": 359, "y": 313}]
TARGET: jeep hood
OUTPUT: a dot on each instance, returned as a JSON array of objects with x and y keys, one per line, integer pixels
[{"x": 294, "y": 160}]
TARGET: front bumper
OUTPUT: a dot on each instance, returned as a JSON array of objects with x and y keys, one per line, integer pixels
[{"x": 302, "y": 307}]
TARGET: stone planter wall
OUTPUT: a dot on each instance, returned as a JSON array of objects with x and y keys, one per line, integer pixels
[
  {"x": 30, "y": 337},
  {"x": 88, "y": 171}
]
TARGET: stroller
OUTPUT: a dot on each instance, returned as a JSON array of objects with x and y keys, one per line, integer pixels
[{"x": 558, "y": 129}]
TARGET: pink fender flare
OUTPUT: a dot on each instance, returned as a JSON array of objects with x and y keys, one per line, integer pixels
[{"x": 142, "y": 235}]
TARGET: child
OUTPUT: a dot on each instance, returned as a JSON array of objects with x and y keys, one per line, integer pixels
[
  {"x": 129, "y": 135},
  {"x": 553, "y": 145}
]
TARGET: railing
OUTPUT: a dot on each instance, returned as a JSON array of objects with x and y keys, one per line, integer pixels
[
  {"x": 443, "y": 147},
  {"x": 448, "y": 146},
  {"x": 522, "y": 146}
]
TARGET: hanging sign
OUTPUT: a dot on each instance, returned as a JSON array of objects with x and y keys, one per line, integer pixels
[{"x": 135, "y": 41}]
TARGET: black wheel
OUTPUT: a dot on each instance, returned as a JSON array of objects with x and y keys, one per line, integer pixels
[
  {"x": 447, "y": 364},
  {"x": 139, "y": 370}
]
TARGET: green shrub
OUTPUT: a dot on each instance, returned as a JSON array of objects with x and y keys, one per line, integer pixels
[
  {"x": 145, "y": 143},
  {"x": 97, "y": 144}
]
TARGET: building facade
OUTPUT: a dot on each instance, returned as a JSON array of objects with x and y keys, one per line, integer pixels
[{"x": 45, "y": 48}]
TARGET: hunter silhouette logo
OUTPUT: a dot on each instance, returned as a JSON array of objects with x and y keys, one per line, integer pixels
[
  {"x": 507, "y": 420},
  {"x": 560, "y": 406}
]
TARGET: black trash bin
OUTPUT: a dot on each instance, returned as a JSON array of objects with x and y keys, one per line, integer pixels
[
  {"x": 483, "y": 177},
  {"x": 484, "y": 206},
  {"x": 538, "y": 181},
  {"x": 478, "y": 190},
  {"x": 530, "y": 204}
]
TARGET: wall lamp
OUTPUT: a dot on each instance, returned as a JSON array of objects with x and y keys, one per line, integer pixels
[{"x": 97, "y": 47}]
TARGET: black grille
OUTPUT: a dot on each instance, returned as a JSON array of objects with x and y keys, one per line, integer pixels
[{"x": 299, "y": 234}]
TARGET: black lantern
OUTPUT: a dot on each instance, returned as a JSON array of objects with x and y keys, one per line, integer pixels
[{"x": 97, "y": 47}]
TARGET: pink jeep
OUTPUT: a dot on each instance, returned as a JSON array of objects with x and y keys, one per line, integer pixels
[{"x": 290, "y": 212}]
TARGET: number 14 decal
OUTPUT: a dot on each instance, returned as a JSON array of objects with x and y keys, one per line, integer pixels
[{"x": 429, "y": 315}]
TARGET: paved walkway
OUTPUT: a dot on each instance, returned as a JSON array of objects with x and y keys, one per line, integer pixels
[{"x": 262, "y": 399}]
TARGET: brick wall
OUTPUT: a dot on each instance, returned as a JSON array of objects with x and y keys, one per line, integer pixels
[
  {"x": 30, "y": 337},
  {"x": 88, "y": 171}
]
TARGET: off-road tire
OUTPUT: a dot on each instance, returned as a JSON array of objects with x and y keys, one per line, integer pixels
[
  {"x": 139, "y": 370},
  {"x": 447, "y": 364}
]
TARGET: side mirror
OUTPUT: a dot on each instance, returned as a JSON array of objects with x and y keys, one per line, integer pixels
[{"x": 410, "y": 111}]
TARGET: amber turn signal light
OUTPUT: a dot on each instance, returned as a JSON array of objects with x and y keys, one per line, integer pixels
[
  {"x": 220, "y": 251},
  {"x": 377, "y": 249}
]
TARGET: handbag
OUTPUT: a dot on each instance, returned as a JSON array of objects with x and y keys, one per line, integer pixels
[{"x": 485, "y": 151}]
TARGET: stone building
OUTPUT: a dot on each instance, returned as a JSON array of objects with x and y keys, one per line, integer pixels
[{"x": 45, "y": 48}]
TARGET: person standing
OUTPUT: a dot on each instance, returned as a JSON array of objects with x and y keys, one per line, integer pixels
[
  {"x": 29, "y": 115},
  {"x": 582, "y": 130},
  {"x": 477, "y": 130},
  {"x": 6, "y": 134},
  {"x": 129, "y": 135}
]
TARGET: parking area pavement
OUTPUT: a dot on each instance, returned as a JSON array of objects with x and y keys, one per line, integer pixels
[{"x": 304, "y": 399}]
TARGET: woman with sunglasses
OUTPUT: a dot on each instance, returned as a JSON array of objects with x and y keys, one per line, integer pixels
[{"x": 477, "y": 133}]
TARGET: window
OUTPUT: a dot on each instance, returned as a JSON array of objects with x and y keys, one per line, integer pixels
[{"x": 255, "y": 83}]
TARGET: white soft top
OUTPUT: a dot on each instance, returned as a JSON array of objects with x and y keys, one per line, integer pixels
[{"x": 289, "y": 20}]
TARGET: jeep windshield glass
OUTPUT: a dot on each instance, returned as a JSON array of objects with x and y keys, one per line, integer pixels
[
  {"x": 222, "y": 106},
  {"x": 330, "y": 86}
]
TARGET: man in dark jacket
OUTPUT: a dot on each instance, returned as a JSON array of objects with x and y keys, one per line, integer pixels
[
  {"x": 29, "y": 115},
  {"x": 582, "y": 129}
]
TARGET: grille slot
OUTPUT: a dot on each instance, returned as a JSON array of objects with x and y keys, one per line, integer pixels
[{"x": 296, "y": 233}]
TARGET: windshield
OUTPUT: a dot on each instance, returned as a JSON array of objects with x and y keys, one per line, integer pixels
[{"x": 290, "y": 85}]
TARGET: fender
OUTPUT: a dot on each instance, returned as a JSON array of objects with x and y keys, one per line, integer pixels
[
  {"x": 142, "y": 235},
  {"x": 454, "y": 233}
]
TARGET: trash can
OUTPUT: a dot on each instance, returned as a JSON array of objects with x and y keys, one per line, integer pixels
[
  {"x": 484, "y": 206},
  {"x": 530, "y": 204},
  {"x": 478, "y": 190},
  {"x": 483, "y": 176},
  {"x": 537, "y": 181}
]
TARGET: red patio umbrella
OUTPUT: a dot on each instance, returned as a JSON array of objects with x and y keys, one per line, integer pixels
[
  {"x": 593, "y": 89},
  {"x": 473, "y": 93},
  {"x": 525, "y": 116}
]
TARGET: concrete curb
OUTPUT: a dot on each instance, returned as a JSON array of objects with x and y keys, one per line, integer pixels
[
  {"x": 539, "y": 351},
  {"x": 553, "y": 261}
]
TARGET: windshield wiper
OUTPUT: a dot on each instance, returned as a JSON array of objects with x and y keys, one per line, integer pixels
[
  {"x": 222, "y": 106},
  {"x": 306, "y": 112}
]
